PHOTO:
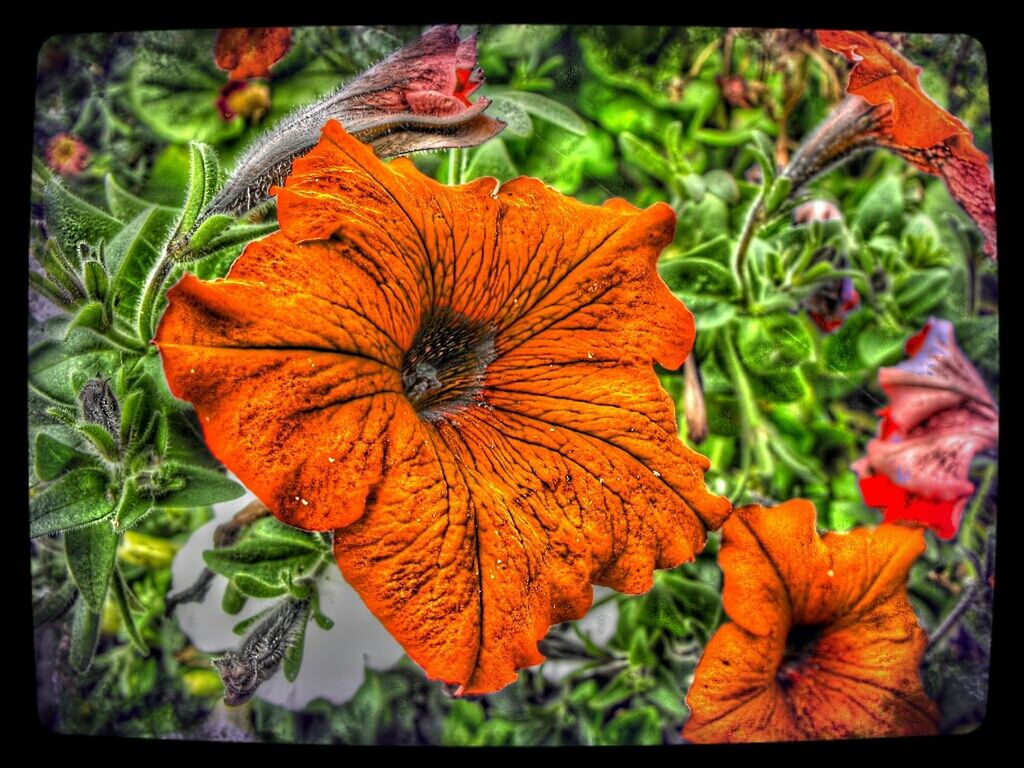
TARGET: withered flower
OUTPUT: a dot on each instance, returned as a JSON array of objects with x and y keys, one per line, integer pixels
[{"x": 940, "y": 415}]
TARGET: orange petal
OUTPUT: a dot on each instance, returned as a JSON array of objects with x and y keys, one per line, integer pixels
[
  {"x": 734, "y": 696},
  {"x": 919, "y": 129},
  {"x": 822, "y": 630},
  {"x": 471, "y": 527}
]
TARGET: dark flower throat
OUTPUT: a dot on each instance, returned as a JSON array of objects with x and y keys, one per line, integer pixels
[{"x": 443, "y": 371}]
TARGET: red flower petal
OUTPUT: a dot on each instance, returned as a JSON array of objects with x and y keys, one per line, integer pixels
[
  {"x": 940, "y": 415},
  {"x": 251, "y": 51}
]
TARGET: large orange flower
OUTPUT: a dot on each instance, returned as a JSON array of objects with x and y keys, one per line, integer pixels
[
  {"x": 916, "y": 127},
  {"x": 458, "y": 382},
  {"x": 823, "y": 643}
]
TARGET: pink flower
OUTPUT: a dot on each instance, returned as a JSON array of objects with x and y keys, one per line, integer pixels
[
  {"x": 940, "y": 415},
  {"x": 67, "y": 154}
]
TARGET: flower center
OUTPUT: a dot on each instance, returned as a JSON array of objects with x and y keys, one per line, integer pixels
[
  {"x": 800, "y": 643},
  {"x": 443, "y": 371}
]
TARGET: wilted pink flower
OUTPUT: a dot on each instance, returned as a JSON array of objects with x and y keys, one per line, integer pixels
[
  {"x": 247, "y": 52},
  {"x": 940, "y": 415},
  {"x": 816, "y": 210},
  {"x": 67, "y": 154}
]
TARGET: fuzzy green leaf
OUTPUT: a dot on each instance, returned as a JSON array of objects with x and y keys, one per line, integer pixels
[
  {"x": 76, "y": 499},
  {"x": 85, "y": 634},
  {"x": 548, "y": 109},
  {"x": 705, "y": 277},
  {"x": 71, "y": 220},
  {"x": 517, "y": 120},
  {"x": 53, "y": 458},
  {"x": 492, "y": 159},
  {"x": 90, "y": 551},
  {"x": 774, "y": 343}
]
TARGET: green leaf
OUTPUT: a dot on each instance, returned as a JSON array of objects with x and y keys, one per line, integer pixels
[
  {"x": 618, "y": 689},
  {"x": 90, "y": 552},
  {"x": 71, "y": 220},
  {"x": 882, "y": 205},
  {"x": 203, "y": 183},
  {"x": 125, "y": 206},
  {"x": 90, "y": 315},
  {"x": 670, "y": 701},
  {"x": 786, "y": 387},
  {"x": 203, "y": 487},
  {"x": 131, "y": 415},
  {"x": 517, "y": 120},
  {"x": 548, "y": 109},
  {"x": 85, "y": 634},
  {"x": 491, "y": 159},
  {"x": 918, "y": 292},
  {"x": 640, "y": 653},
  {"x": 293, "y": 654},
  {"x": 778, "y": 194},
  {"x": 693, "y": 185},
  {"x": 76, "y": 499},
  {"x": 177, "y": 98},
  {"x": 840, "y": 349},
  {"x": 701, "y": 601},
  {"x": 122, "y": 597},
  {"x": 265, "y": 559},
  {"x": 700, "y": 222},
  {"x": 774, "y": 343},
  {"x": 54, "y": 604},
  {"x": 53, "y": 458},
  {"x": 233, "y": 600},
  {"x": 645, "y": 157},
  {"x": 95, "y": 280},
  {"x": 209, "y": 229},
  {"x": 636, "y": 726},
  {"x": 130, "y": 256},
  {"x": 979, "y": 339},
  {"x": 243, "y": 627},
  {"x": 59, "y": 371},
  {"x": 101, "y": 440},
  {"x": 880, "y": 345},
  {"x": 722, "y": 184},
  {"x": 705, "y": 277},
  {"x": 132, "y": 506},
  {"x": 251, "y": 585}
]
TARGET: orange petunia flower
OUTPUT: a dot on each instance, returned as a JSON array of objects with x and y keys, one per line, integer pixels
[
  {"x": 457, "y": 381},
  {"x": 246, "y": 52},
  {"x": 823, "y": 642},
  {"x": 916, "y": 127}
]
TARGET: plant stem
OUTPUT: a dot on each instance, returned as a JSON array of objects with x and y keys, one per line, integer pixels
[
  {"x": 122, "y": 341},
  {"x": 750, "y": 226},
  {"x": 967, "y": 526},
  {"x": 954, "y": 616},
  {"x": 753, "y": 425}
]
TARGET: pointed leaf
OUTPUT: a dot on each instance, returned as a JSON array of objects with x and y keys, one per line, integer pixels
[
  {"x": 85, "y": 634},
  {"x": 76, "y": 499},
  {"x": 90, "y": 551},
  {"x": 548, "y": 109},
  {"x": 53, "y": 458},
  {"x": 72, "y": 220}
]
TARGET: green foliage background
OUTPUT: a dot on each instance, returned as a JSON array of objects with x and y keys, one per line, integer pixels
[{"x": 700, "y": 118}]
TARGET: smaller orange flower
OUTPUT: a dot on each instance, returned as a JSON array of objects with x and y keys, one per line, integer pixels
[
  {"x": 823, "y": 643},
  {"x": 247, "y": 52},
  {"x": 916, "y": 127}
]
